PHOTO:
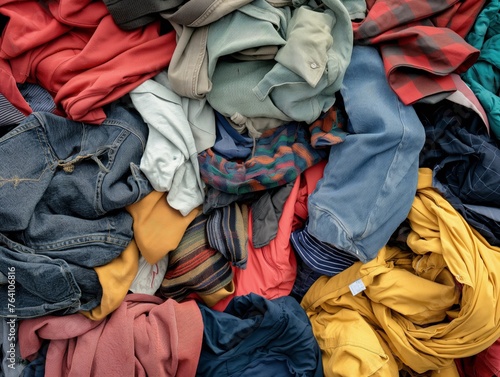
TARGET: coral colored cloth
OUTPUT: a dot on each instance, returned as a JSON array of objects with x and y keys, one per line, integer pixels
[
  {"x": 143, "y": 337},
  {"x": 271, "y": 269},
  {"x": 85, "y": 63}
]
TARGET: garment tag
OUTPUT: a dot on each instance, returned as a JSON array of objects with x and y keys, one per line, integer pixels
[{"x": 357, "y": 287}]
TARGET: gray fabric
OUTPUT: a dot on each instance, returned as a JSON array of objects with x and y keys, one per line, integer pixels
[
  {"x": 314, "y": 48},
  {"x": 196, "y": 13},
  {"x": 130, "y": 14},
  {"x": 12, "y": 362},
  {"x": 266, "y": 213}
]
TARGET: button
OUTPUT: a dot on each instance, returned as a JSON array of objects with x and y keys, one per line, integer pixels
[{"x": 314, "y": 65}]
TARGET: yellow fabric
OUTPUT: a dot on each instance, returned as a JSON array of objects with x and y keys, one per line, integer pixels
[
  {"x": 213, "y": 298},
  {"x": 411, "y": 298},
  {"x": 158, "y": 228},
  {"x": 346, "y": 355},
  {"x": 115, "y": 278}
]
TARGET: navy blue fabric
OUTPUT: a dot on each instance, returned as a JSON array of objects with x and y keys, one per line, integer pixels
[
  {"x": 228, "y": 142},
  {"x": 321, "y": 257},
  {"x": 37, "y": 97},
  {"x": 255, "y": 336},
  {"x": 306, "y": 277},
  {"x": 9, "y": 115},
  {"x": 465, "y": 161},
  {"x": 36, "y": 368}
]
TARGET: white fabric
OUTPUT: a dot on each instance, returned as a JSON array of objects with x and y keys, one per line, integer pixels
[
  {"x": 149, "y": 276},
  {"x": 170, "y": 159}
]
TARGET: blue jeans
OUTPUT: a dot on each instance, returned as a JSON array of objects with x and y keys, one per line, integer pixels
[
  {"x": 370, "y": 179},
  {"x": 63, "y": 190}
]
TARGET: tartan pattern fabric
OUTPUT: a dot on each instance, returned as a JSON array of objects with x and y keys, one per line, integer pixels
[
  {"x": 466, "y": 163},
  {"x": 421, "y": 43}
]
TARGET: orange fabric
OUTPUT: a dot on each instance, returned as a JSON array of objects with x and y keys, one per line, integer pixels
[
  {"x": 158, "y": 228},
  {"x": 115, "y": 278}
]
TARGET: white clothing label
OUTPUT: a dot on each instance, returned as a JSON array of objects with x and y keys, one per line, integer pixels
[{"x": 357, "y": 287}]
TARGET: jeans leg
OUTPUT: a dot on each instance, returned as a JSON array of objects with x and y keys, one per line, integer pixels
[{"x": 370, "y": 179}]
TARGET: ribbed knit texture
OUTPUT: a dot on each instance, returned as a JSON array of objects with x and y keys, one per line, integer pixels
[
  {"x": 227, "y": 233},
  {"x": 195, "y": 267}
]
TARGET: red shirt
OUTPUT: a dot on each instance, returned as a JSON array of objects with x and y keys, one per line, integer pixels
[{"x": 78, "y": 54}]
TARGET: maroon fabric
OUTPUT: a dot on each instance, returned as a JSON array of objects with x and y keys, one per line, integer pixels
[
  {"x": 484, "y": 364},
  {"x": 145, "y": 336},
  {"x": 421, "y": 42}
]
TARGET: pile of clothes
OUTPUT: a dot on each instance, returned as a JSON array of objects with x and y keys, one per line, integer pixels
[{"x": 250, "y": 187}]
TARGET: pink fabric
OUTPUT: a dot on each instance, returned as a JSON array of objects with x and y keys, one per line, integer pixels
[
  {"x": 272, "y": 269},
  {"x": 79, "y": 55},
  {"x": 145, "y": 336},
  {"x": 469, "y": 99}
]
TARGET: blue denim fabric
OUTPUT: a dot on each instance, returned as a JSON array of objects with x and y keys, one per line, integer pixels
[
  {"x": 370, "y": 180},
  {"x": 36, "y": 368},
  {"x": 12, "y": 364},
  {"x": 64, "y": 187}
]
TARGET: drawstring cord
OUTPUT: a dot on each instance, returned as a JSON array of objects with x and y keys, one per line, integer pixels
[{"x": 243, "y": 123}]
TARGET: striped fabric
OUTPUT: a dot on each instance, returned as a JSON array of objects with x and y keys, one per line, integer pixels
[
  {"x": 9, "y": 115},
  {"x": 227, "y": 233},
  {"x": 279, "y": 156},
  {"x": 195, "y": 267},
  {"x": 38, "y": 98},
  {"x": 319, "y": 256}
]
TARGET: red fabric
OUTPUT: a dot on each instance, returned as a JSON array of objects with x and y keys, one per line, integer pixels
[
  {"x": 9, "y": 89},
  {"x": 460, "y": 17},
  {"x": 271, "y": 270},
  {"x": 80, "y": 13},
  {"x": 143, "y": 337},
  {"x": 421, "y": 42},
  {"x": 84, "y": 68},
  {"x": 484, "y": 364}
]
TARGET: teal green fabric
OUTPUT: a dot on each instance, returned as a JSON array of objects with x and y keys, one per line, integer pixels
[{"x": 484, "y": 76}]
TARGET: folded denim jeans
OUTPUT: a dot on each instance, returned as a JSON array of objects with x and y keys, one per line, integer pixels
[{"x": 64, "y": 186}]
